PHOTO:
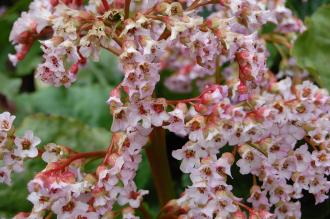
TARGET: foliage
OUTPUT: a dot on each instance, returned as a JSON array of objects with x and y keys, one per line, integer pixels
[{"x": 312, "y": 47}]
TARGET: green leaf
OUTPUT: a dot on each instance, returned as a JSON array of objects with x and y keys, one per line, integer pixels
[
  {"x": 143, "y": 175},
  {"x": 9, "y": 86},
  {"x": 312, "y": 48},
  {"x": 86, "y": 103},
  {"x": 60, "y": 130},
  {"x": 105, "y": 71},
  {"x": 30, "y": 62},
  {"x": 66, "y": 131},
  {"x": 305, "y": 8}
]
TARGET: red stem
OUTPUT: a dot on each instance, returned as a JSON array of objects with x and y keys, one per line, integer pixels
[
  {"x": 109, "y": 151},
  {"x": 250, "y": 210},
  {"x": 191, "y": 99},
  {"x": 234, "y": 151},
  {"x": 40, "y": 152},
  {"x": 160, "y": 169},
  {"x": 182, "y": 100},
  {"x": 113, "y": 50},
  {"x": 193, "y": 5},
  {"x": 106, "y": 5},
  {"x": 74, "y": 157},
  {"x": 127, "y": 4},
  {"x": 196, "y": 5}
]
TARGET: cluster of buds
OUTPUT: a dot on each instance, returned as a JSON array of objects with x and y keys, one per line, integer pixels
[{"x": 275, "y": 131}]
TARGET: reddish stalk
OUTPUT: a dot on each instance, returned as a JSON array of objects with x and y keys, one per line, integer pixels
[
  {"x": 49, "y": 216},
  {"x": 194, "y": 6},
  {"x": 109, "y": 151},
  {"x": 117, "y": 40},
  {"x": 144, "y": 212},
  {"x": 254, "y": 180},
  {"x": 113, "y": 50},
  {"x": 234, "y": 151},
  {"x": 276, "y": 38},
  {"x": 127, "y": 4},
  {"x": 40, "y": 152},
  {"x": 165, "y": 34},
  {"x": 189, "y": 100},
  {"x": 74, "y": 157},
  {"x": 250, "y": 210},
  {"x": 311, "y": 143},
  {"x": 106, "y": 5},
  {"x": 157, "y": 157},
  {"x": 217, "y": 70}
]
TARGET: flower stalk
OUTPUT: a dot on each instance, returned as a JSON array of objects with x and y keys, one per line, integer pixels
[{"x": 157, "y": 157}]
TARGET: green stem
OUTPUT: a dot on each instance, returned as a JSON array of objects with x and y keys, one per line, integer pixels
[{"x": 157, "y": 156}]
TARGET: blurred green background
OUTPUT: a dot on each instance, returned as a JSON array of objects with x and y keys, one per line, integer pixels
[{"x": 80, "y": 118}]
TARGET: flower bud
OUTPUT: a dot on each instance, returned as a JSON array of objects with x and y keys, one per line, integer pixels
[
  {"x": 163, "y": 8},
  {"x": 176, "y": 9}
]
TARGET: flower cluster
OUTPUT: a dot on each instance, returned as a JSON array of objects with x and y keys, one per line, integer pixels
[
  {"x": 13, "y": 149},
  {"x": 267, "y": 134},
  {"x": 277, "y": 132}
]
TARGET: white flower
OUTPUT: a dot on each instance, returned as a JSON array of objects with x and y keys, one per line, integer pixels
[
  {"x": 6, "y": 121},
  {"x": 306, "y": 90},
  {"x": 158, "y": 112},
  {"x": 14, "y": 162},
  {"x": 195, "y": 127},
  {"x": 249, "y": 162},
  {"x": 5, "y": 175},
  {"x": 26, "y": 146},
  {"x": 53, "y": 153},
  {"x": 176, "y": 122},
  {"x": 280, "y": 192},
  {"x": 39, "y": 201},
  {"x": 131, "y": 196},
  {"x": 288, "y": 210},
  {"x": 258, "y": 198},
  {"x": 190, "y": 154},
  {"x": 321, "y": 158},
  {"x": 67, "y": 209},
  {"x": 302, "y": 158},
  {"x": 120, "y": 119}
]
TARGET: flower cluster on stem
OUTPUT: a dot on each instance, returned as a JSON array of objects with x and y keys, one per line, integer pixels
[{"x": 275, "y": 131}]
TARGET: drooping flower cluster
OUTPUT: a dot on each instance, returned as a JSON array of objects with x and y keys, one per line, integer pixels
[
  {"x": 13, "y": 149},
  {"x": 279, "y": 130}
]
